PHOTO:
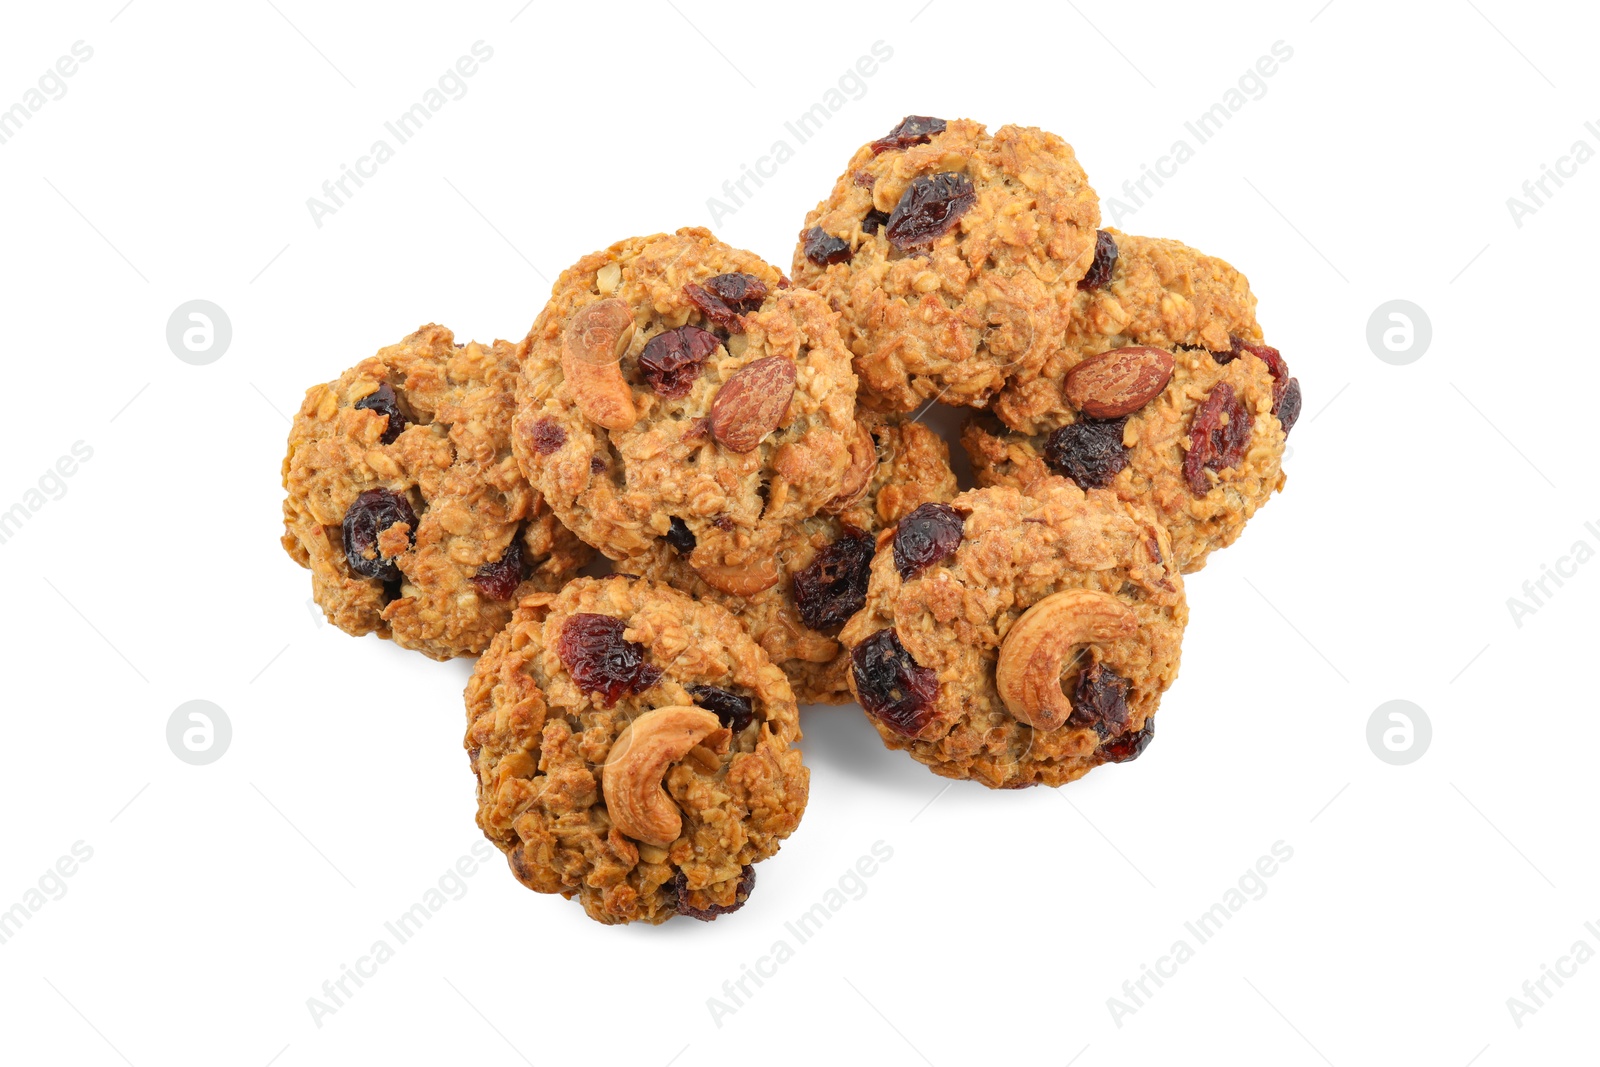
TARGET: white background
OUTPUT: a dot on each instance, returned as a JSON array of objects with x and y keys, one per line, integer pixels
[{"x": 1421, "y": 497}]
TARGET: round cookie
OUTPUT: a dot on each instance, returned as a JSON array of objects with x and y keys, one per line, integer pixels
[
  {"x": 633, "y": 749},
  {"x": 406, "y": 504},
  {"x": 1017, "y": 638},
  {"x": 951, "y": 255},
  {"x": 1205, "y": 450},
  {"x": 1140, "y": 291},
  {"x": 674, "y": 383},
  {"x": 823, "y": 560}
]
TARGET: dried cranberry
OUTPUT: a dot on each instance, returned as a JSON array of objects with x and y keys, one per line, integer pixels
[
  {"x": 741, "y": 893},
  {"x": 1129, "y": 747},
  {"x": 372, "y": 513},
  {"x": 926, "y": 536},
  {"x": 1090, "y": 451},
  {"x": 833, "y": 586},
  {"x": 823, "y": 249},
  {"x": 725, "y": 297},
  {"x": 1105, "y": 262},
  {"x": 874, "y": 220},
  {"x": 928, "y": 209},
  {"x": 499, "y": 580},
  {"x": 913, "y": 129},
  {"x": 672, "y": 361},
  {"x": 384, "y": 402},
  {"x": 735, "y": 712},
  {"x": 1288, "y": 410},
  {"x": 1212, "y": 445},
  {"x": 892, "y": 686},
  {"x": 547, "y": 436},
  {"x": 680, "y": 537},
  {"x": 1100, "y": 699},
  {"x": 864, "y": 179},
  {"x": 601, "y": 661},
  {"x": 597, "y": 465}
]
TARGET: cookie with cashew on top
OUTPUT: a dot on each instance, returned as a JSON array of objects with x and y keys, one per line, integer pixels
[
  {"x": 633, "y": 749},
  {"x": 677, "y": 388},
  {"x": 1019, "y": 638}
]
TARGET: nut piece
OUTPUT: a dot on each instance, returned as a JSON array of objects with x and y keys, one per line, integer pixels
[
  {"x": 863, "y": 465},
  {"x": 591, "y": 355},
  {"x": 1039, "y": 647},
  {"x": 735, "y": 580},
  {"x": 639, "y": 759},
  {"x": 752, "y": 403},
  {"x": 1119, "y": 382}
]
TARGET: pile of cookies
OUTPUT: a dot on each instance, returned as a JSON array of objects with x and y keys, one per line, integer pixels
[{"x": 745, "y": 449}]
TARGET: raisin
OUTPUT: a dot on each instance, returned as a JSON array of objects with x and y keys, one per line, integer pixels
[
  {"x": 735, "y": 712},
  {"x": 372, "y": 513},
  {"x": 547, "y": 436},
  {"x": 1100, "y": 699},
  {"x": 874, "y": 220},
  {"x": 1288, "y": 409},
  {"x": 672, "y": 361},
  {"x": 893, "y": 687},
  {"x": 928, "y": 209},
  {"x": 913, "y": 129},
  {"x": 725, "y": 297},
  {"x": 833, "y": 586},
  {"x": 926, "y": 536},
  {"x": 601, "y": 661},
  {"x": 384, "y": 402},
  {"x": 1129, "y": 747},
  {"x": 680, "y": 537},
  {"x": 1090, "y": 451},
  {"x": 1105, "y": 262},
  {"x": 741, "y": 893},
  {"x": 1212, "y": 445},
  {"x": 499, "y": 580},
  {"x": 823, "y": 249}
]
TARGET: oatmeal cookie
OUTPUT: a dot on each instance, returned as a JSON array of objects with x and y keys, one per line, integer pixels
[
  {"x": 405, "y": 502},
  {"x": 1016, "y": 638},
  {"x": 633, "y": 749},
  {"x": 951, "y": 255},
  {"x": 675, "y": 385},
  {"x": 1140, "y": 291},
  {"x": 1197, "y": 435},
  {"x": 823, "y": 560}
]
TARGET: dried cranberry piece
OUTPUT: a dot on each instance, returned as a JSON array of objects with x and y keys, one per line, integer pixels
[
  {"x": 547, "y": 436},
  {"x": 1275, "y": 364},
  {"x": 601, "y": 660},
  {"x": 672, "y": 361},
  {"x": 372, "y": 513},
  {"x": 864, "y": 179},
  {"x": 384, "y": 402},
  {"x": 1288, "y": 410},
  {"x": 823, "y": 249},
  {"x": 1090, "y": 451},
  {"x": 1105, "y": 262},
  {"x": 735, "y": 711},
  {"x": 499, "y": 580},
  {"x": 679, "y": 536},
  {"x": 1100, "y": 699},
  {"x": 874, "y": 220},
  {"x": 833, "y": 586},
  {"x": 724, "y": 297},
  {"x": 1129, "y": 747},
  {"x": 913, "y": 129},
  {"x": 741, "y": 893},
  {"x": 893, "y": 687},
  {"x": 928, "y": 209},
  {"x": 926, "y": 536},
  {"x": 1213, "y": 445},
  {"x": 597, "y": 465}
]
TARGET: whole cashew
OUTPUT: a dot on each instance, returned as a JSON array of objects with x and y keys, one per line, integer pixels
[
  {"x": 639, "y": 759},
  {"x": 591, "y": 355},
  {"x": 1039, "y": 645}
]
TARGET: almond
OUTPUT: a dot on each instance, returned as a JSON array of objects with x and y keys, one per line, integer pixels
[
  {"x": 1119, "y": 382},
  {"x": 752, "y": 403}
]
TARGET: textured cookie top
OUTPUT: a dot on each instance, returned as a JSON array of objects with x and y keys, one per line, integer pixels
[
  {"x": 635, "y": 749},
  {"x": 1140, "y": 291},
  {"x": 1205, "y": 450},
  {"x": 823, "y": 561},
  {"x": 676, "y": 385},
  {"x": 406, "y": 504},
  {"x": 951, "y": 255},
  {"x": 1016, "y": 638}
]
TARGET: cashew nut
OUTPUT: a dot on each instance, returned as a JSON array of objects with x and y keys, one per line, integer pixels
[
  {"x": 741, "y": 580},
  {"x": 1039, "y": 646},
  {"x": 863, "y": 465},
  {"x": 591, "y": 355},
  {"x": 639, "y": 759}
]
